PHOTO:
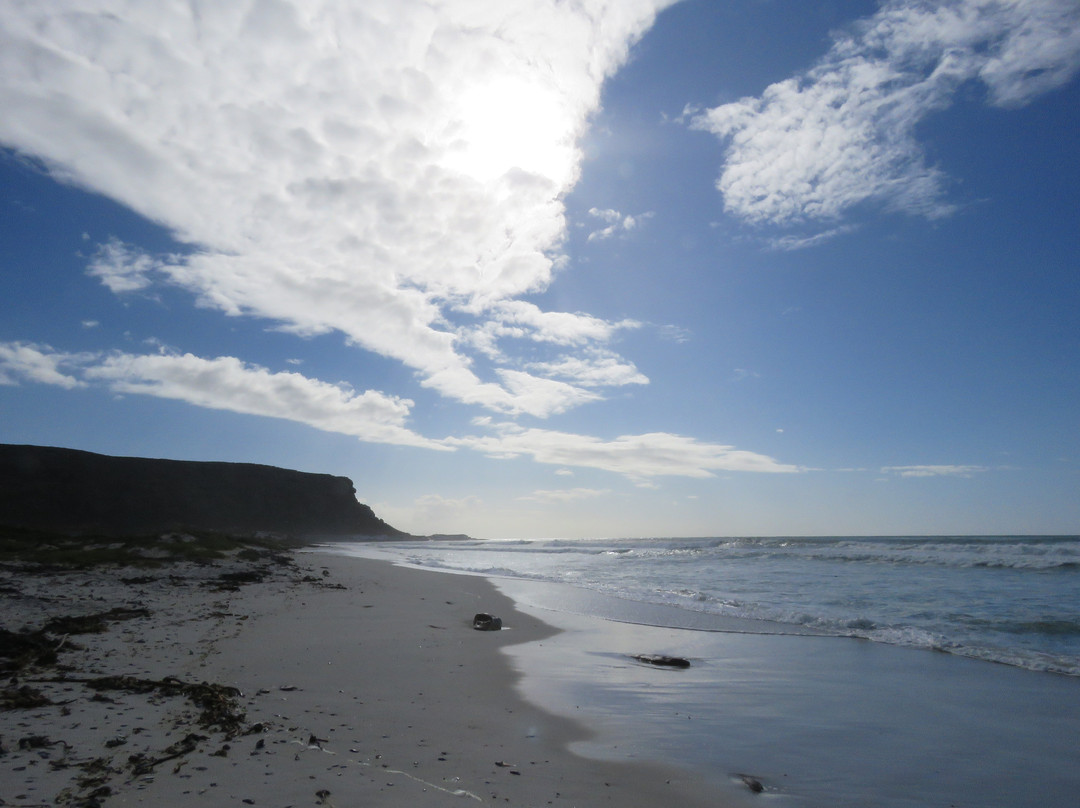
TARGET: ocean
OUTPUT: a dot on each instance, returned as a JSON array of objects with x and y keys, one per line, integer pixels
[
  {"x": 1008, "y": 599},
  {"x": 810, "y": 664}
]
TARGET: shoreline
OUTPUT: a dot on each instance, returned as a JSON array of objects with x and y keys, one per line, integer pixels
[
  {"x": 815, "y": 719},
  {"x": 351, "y": 681}
]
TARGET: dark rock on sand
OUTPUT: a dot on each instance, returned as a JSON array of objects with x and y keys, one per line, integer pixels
[
  {"x": 659, "y": 659},
  {"x": 485, "y": 622},
  {"x": 70, "y": 491},
  {"x": 664, "y": 661},
  {"x": 752, "y": 783}
]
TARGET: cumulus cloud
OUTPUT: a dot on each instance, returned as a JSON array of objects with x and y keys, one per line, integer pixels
[
  {"x": 843, "y": 133},
  {"x": 933, "y": 471},
  {"x": 638, "y": 457},
  {"x": 391, "y": 171}
]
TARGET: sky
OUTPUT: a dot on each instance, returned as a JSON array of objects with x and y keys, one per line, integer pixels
[{"x": 558, "y": 268}]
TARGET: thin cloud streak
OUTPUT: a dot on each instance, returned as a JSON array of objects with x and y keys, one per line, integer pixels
[
  {"x": 934, "y": 471},
  {"x": 637, "y": 457},
  {"x": 222, "y": 383},
  {"x": 563, "y": 495},
  {"x": 227, "y": 383}
]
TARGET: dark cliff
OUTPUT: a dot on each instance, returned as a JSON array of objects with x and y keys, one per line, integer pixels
[{"x": 77, "y": 492}]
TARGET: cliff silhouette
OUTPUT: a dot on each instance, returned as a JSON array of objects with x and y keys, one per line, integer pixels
[{"x": 83, "y": 493}]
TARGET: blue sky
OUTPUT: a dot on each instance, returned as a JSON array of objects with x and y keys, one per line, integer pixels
[{"x": 534, "y": 268}]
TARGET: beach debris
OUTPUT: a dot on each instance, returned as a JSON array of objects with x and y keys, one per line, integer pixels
[
  {"x": 138, "y": 580},
  {"x": 14, "y": 698},
  {"x": 37, "y": 742},
  {"x": 218, "y": 702},
  {"x": 485, "y": 622},
  {"x": 20, "y": 650},
  {"x": 751, "y": 783},
  {"x": 662, "y": 660},
  {"x": 144, "y": 764},
  {"x": 93, "y": 623},
  {"x": 232, "y": 581}
]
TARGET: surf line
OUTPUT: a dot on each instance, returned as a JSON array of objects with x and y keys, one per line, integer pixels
[{"x": 455, "y": 792}]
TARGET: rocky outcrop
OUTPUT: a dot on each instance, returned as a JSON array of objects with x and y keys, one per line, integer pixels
[{"x": 47, "y": 488}]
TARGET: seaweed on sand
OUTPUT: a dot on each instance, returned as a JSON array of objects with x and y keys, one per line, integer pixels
[
  {"x": 19, "y": 650},
  {"x": 218, "y": 703},
  {"x": 92, "y": 623}
]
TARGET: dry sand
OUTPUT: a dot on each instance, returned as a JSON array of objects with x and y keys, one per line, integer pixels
[{"x": 356, "y": 684}]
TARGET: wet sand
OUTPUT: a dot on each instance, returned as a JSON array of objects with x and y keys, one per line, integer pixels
[{"x": 330, "y": 681}]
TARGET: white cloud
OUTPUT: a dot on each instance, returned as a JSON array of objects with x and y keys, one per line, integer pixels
[
  {"x": 222, "y": 383},
  {"x": 374, "y": 169},
  {"x": 596, "y": 368},
  {"x": 542, "y": 397},
  {"x": 933, "y": 471},
  {"x": 637, "y": 457},
  {"x": 227, "y": 383},
  {"x": 565, "y": 495},
  {"x": 35, "y": 363},
  {"x": 123, "y": 268},
  {"x": 792, "y": 243},
  {"x": 617, "y": 223},
  {"x": 812, "y": 146}
]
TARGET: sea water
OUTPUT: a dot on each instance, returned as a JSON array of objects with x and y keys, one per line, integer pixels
[
  {"x": 812, "y": 664},
  {"x": 1008, "y": 599}
]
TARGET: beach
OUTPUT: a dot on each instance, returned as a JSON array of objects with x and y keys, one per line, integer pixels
[
  {"x": 834, "y": 709},
  {"x": 290, "y": 679}
]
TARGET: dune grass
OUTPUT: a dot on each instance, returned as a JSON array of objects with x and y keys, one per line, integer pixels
[{"x": 44, "y": 549}]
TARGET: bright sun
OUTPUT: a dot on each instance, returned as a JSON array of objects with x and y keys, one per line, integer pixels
[{"x": 512, "y": 123}]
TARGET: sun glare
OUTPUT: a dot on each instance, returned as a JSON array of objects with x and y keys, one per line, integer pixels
[{"x": 512, "y": 123}]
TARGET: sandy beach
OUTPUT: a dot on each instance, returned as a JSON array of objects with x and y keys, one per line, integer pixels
[{"x": 286, "y": 679}]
